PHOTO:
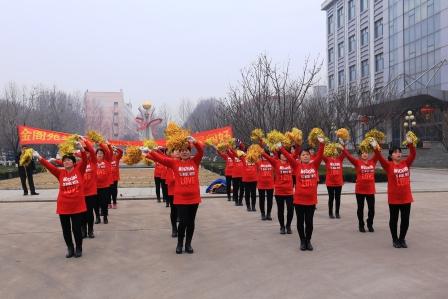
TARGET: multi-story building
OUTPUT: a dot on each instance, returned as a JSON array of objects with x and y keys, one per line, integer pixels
[
  {"x": 392, "y": 44},
  {"x": 107, "y": 113}
]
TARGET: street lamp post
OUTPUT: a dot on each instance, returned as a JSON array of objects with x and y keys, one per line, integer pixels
[{"x": 409, "y": 121}]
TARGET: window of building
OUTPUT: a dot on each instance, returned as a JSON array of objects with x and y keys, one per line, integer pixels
[
  {"x": 341, "y": 78},
  {"x": 365, "y": 68},
  {"x": 352, "y": 73},
  {"x": 364, "y": 4},
  {"x": 330, "y": 55},
  {"x": 340, "y": 17},
  {"x": 379, "y": 62},
  {"x": 330, "y": 24},
  {"x": 352, "y": 43},
  {"x": 351, "y": 9},
  {"x": 341, "y": 50},
  {"x": 331, "y": 82},
  {"x": 379, "y": 28},
  {"x": 365, "y": 36}
]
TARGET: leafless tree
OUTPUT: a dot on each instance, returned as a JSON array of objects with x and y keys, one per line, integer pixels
[{"x": 204, "y": 116}]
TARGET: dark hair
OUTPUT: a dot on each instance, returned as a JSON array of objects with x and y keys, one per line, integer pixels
[
  {"x": 99, "y": 149},
  {"x": 306, "y": 149},
  {"x": 392, "y": 150},
  {"x": 69, "y": 156}
]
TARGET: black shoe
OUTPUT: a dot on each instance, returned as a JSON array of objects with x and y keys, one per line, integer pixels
[
  {"x": 403, "y": 243},
  {"x": 236, "y": 204},
  {"x": 70, "y": 252},
  {"x": 263, "y": 216},
  {"x": 34, "y": 193},
  {"x": 78, "y": 252},
  {"x": 302, "y": 245},
  {"x": 248, "y": 209},
  {"x": 91, "y": 235},
  {"x": 174, "y": 234},
  {"x": 268, "y": 217},
  {"x": 309, "y": 247},
  {"x": 338, "y": 216},
  {"x": 254, "y": 209},
  {"x": 370, "y": 228},
  {"x": 25, "y": 193},
  {"x": 396, "y": 244},
  {"x": 288, "y": 230},
  {"x": 158, "y": 200},
  {"x": 282, "y": 231},
  {"x": 179, "y": 249},
  {"x": 331, "y": 216},
  {"x": 362, "y": 229},
  {"x": 106, "y": 221},
  {"x": 98, "y": 220},
  {"x": 228, "y": 199},
  {"x": 167, "y": 205},
  {"x": 188, "y": 249}
]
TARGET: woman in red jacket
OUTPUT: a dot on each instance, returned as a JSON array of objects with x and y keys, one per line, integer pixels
[
  {"x": 305, "y": 195},
  {"x": 228, "y": 172},
  {"x": 186, "y": 193},
  {"x": 265, "y": 186},
  {"x": 237, "y": 178},
  {"x": 365, "y": 186},
  {"x": 334, "y": 180},
  {"x": 71, "y": 203},
  {"x": 104, "y": 178},
  {"x": 250, "y": 184},
  {"x": 399, "y": 193},
  {"x": 117, "y": 154},
  {"x": 90, "y": 190},
  {"x": 283, "y": 190}
]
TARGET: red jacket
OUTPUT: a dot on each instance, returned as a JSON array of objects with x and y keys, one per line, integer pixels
[
  {"x": 186, "y": 175},
  {"x": 306, "y": 177},
  {"x": 228, "y": 171},
  {"x": 398, "y": 177},
  {"x": 71, "y": 199},
  {"x": 265, "y": 179},
  {"x": 282, "y": 176},
  {"x": 249, "y": 171},
  {"x": 115, "y": 163},
  {"x": 365, "y": 174},
  {"x": 104, "y": 170},
  {"x": 157, "y": 169},
  {"x": 238, "y": 167},
  {"x": 90, "y": 179},
  {"x": 334, "y": 176}
]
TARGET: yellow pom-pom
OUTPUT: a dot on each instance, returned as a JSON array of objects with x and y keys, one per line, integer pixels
[
  {"x": 273, "y": 138},
  {"x": 254, "y": 153},
  {"x": 172, "y": 129},
  {"x": 332, "y": 149},
  {"x": 257, "y": 135},
  {"x": 295, "y": 136},
  {"x": 132, "y": 156},
  {"x": 68, "y": 146},
  {"x": 95, "y": 136},
  {"x": 176, "y": 137},
  {"x": 343, "y": 134},
  {"x": 26, "y": 157},
  {"x": 312, "y": 137},
  {"x": 148, "y": 161},
  {"x": 149, "y": 143},
  {"x": 377, "y": 135},
  {"x": 412, "y": 136}
]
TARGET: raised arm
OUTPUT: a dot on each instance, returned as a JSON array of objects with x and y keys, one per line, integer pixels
[
  {"x": 349, "y": 156},
  {"x": 199, "y": 152},
  {"x": 162, "y": 159},
  {"x": 81, "y": 165},
  {"x": 107, "y": 153},
  {"x": 320, "y": 155},
  {"x": 412, "y": 153},
  {"x": 297, "y": 151},
  {"x": 384, "y": 163},
  {"x": 51, "y": 168},
  {"x": 292, "y": 161},
  {"x": 91, "y": 150},
  {"x": 270, "y": 159}
]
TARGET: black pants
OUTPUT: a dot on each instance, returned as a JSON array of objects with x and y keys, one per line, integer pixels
[
  {"x": 334, "y": 194},
  {"x": 266, "y": 194},
  {"x": 187, "y": 216},
  {"x": 281, "y": 200},
  {"x": 173, "y": 213},
  {"x": 238, "y": 190},
  {"x": 87, "y": 221},
  {"x": 394, "y": 211},
  {"x": 164, "y": 191},
  {"x": 250, "y": 192},
  {"x": 103, "y": 200},
  {"x": 305, "y": 215},
  {"x": 24, "y": 174},
  {"x": 158, "y": 182},
  {"x": 114, "y": 192},
  {"x": 69, "y": 223},
  {"x": 370, "y": 198},
  {"x": 228, "y": 186}
]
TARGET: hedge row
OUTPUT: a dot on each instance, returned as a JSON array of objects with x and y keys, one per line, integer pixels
[
  {"x": 348, "y": 172},
  {"x": 13, "y": 172}
]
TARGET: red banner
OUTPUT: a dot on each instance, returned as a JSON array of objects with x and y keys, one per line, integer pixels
[{"x": 29, "y": 135}]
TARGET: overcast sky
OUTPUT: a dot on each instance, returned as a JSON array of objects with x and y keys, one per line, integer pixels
[{"x": 158, "y": 50}]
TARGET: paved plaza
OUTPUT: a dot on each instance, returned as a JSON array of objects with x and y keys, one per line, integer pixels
[{"x": 236, "y": 254}]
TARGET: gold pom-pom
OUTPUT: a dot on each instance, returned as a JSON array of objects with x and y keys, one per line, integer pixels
[
  {"x": 176, "y": 137},
  {"x": 295, "y": 136},
  {"x": 377, "y": 135},
  {"x": 133, "y": 155},
  {"x": 172, "y": 129},
  {"x": 221, "y": 142},
  {"x": 412, "y": 136},
  {"x": 273, "y": 138},
  {"x": 149, "y": 143},
  {"x": 240, "y": 153},
  {"x": 26, "y": 157},
  {"x": 68, "y": 146},
  {"x": 343, "y": 134},
  {"x": 332, "y": 149},
  {"x": 257, "y": 135},
  {"x": 365, "y": 146},
  {"x": 148, "y": 161},
  {"x": 95, "y": 136},
  {"x": 254, "y": 153},
  {"x": 312, "y": 137}
]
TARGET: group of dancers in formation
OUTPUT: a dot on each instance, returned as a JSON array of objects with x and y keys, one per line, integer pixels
[{"x": 88, "y": 182}]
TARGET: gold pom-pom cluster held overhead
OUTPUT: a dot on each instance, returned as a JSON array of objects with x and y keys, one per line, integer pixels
[
  {"x": 26, "y": 157},
  {"x": 332, "y": 149},
  {"x": 133, "y": 155},
  {"x": 221, "y": 142},
  {"x": 150, "y": 143},
  {"x": 273, "y": 138},
  {"x": 254, "y": 153},
  {"x": 412, "y": 136},
  {"x": 176, "y": 137},
  {"x": 379, "y": 136},
  {"x": 68, "y": 146},
  {"x": 295, "y": 136},
  {"x": 343, "y": 133},
  {"x": 95, "y": 136},
  {"x": 257, "y": 135},
  {"x": 365, "y": 146},
  {"x": 312, "y": 136}
]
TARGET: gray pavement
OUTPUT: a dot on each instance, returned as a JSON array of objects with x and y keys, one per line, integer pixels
[{"x": 236, "y": 255}]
